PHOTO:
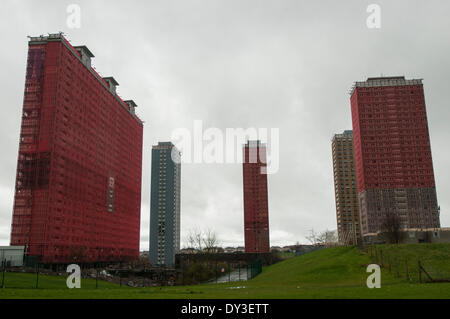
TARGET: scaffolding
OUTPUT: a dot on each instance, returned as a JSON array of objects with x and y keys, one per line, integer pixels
[{"x": 75, "y": 137}]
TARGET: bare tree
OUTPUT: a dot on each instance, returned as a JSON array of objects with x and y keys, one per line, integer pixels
[
  {"x": 324, "y": 238},
  {"x": 203, "y": 241},
  {"x": 312, "y": 237},
  {"x": 195, "y": 239},
  {"x": 328, "y": 237},
  {"x": 210, "y": 241},
  {"x": 391, "y": 228}
]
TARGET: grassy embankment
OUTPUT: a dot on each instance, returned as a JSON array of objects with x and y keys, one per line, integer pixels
[{"x": 328, "y": 273}]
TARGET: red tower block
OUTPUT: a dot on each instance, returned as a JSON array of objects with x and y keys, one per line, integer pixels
[
  {"x": 78, "y": 184},
  {"x": 256, "y": 208}
]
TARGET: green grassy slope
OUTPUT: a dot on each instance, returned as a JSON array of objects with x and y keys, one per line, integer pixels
[
  {"x": 328, "y": 273},
  {"x": 434, "y": 258}
]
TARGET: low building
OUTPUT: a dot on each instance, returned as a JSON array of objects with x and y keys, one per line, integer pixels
[
  {"x": 188, "y": 251},
  {"x": 12, "y": 255},
  {"x": 213, "y": 250},
  {"x": 240, "y": 249}
]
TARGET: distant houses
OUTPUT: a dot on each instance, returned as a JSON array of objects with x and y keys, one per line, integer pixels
[
  {"x": 241, "y": 249},
  {"x": 228, "y": 250}
]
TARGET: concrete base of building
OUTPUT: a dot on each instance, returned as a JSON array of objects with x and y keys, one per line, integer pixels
[
  {"x": 414, "y": 207},
  {"x": 411, "y": 236}
]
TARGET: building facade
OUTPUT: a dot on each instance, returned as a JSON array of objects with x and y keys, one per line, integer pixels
[
  {"x": 78, "y": 183},
  {"x": 392, "y": 149},
  {"x": 256, "y": 207},
  {"x": 165, "y": 204},
  {"x": 345, "y": 189}
]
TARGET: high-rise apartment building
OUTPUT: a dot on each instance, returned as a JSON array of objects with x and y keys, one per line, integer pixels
[
  {"x": 256, "y": 207},
  {"x": 165, "y": 204},
  {"x": 78, "y": 184},
  {"x": 346, "y": 192},
  {"x": 394, "y": 167}
]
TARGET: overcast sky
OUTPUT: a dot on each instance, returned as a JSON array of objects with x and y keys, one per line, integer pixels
[{"x": 262, "y": 64}]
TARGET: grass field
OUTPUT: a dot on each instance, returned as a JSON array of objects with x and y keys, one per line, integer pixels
[
  {"x": 435, "y": 259},
  {"x": 328, "y": 273}
]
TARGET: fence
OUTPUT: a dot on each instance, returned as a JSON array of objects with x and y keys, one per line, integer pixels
[
  {"x": 241, "y": 272},
  {"x": 38, "y": 277},
  {"x": 254, "y": 269},
  {"x": 433, "y": 267},
  {"x": 218, "y": 272}
]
